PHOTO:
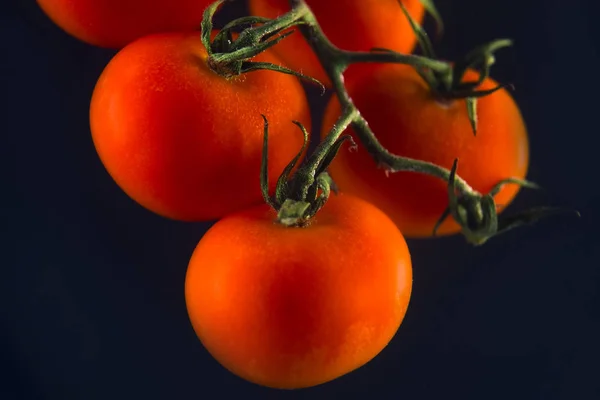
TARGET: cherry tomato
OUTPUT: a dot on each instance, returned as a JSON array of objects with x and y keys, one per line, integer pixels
[
  {"x": 185, "y": 142},
  {"x": 408, "y": 120},
  {"x": 357, "y": 25},
  {"x": 295, "y": 307},
  {"x": 115, "y": 23}
]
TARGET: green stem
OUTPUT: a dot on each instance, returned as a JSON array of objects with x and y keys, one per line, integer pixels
[
  {"x": 287, "y": 20},
  {"x": 335, "y": 61},
  {"x": 396, "y": 163},
  {"x": 306, "y": 174},
  {"x": 352, "y": 57},
  {"x": 299, "y": 197}
]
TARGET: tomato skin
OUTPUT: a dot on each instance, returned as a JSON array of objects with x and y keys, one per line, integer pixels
[
  {"x": 356, "y": 25},
  {"x": 115, "y": 23},
  {"x": 185, "y": 142},
  {"x": 408, "y": 121},
  {"x": 296, "y": 307}
]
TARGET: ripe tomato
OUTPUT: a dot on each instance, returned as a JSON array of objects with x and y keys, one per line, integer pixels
[
  {"x": 115, "y": 23},
  {"x": 295, "y": 307},
  {"x": 185, "y": 142},
  {"x": 356, "y": 25},
  {"x": 408, "y": 121}
]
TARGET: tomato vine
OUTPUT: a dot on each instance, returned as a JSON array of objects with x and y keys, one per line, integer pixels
[{"x": 300, "y": 195}]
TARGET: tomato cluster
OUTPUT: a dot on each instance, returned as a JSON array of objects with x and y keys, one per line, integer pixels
[{"x": 286, "y": 305}]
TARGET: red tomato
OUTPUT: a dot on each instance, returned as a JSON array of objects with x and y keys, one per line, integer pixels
[
  {"x": 357, "y": 25},
  {"x": 185, "y": 142},
  {"x": 115, "y": 23},
  {"x": 295, "y": 307},
  {"x": 408, "y": 120}
]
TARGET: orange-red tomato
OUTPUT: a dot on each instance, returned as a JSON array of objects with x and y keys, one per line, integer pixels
[
  {"x": 185, "y": 142},
  {"x": 115, "y": 23},
  {"x": 409, "y": 121},
  {"x": 296, "y": 307},
  {"x": 356, "y": 25}
]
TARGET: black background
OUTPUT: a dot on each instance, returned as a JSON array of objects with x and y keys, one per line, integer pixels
[{"x": 92, "y": 284}]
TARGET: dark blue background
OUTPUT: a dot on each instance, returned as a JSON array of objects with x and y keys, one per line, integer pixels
[{"x": 92, "y": 284}]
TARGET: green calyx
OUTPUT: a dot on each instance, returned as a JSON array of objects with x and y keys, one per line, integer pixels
[
  {"x": 448, "y": 84},
  {"x": 300, "y": 195},
  {"x": 477, "y": 214},
  {"x": 231, "y": 57}
]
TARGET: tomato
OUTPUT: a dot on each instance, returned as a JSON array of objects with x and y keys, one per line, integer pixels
[
  {"x": 115, "y": 23},
  {"x": 356, "y": 25},
  {"x": 408, "y": 120},
  {"x": 185, "y": 142},
  {"x": 296, "y": 307}
]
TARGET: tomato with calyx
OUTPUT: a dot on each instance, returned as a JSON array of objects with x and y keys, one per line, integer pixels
[
  {"x": 185, "y": 142},
  {"x": 356, "y": 25},
  {"x": 115, "y": 23},
  {"x": 409, "y": 121},
  {"x": 293, "y": 307}
]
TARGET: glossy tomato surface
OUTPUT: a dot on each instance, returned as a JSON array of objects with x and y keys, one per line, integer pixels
[
  {"x": 185, "y": 142},
  {"x": 115, "y": 23},
  {"x": 296, "y": 307},
  {"x": 357, "y": 25},
  {"x": 408, "y": 120}
]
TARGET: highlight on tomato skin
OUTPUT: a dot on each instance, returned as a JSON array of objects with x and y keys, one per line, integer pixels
[
  {"x": 288, "y": 307},
  {"x": 356, "y": 25},
  {"x": 181, "y": 140},
  {"x": 408, "y": 121},
  {"x": 115, "y": 23}
]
